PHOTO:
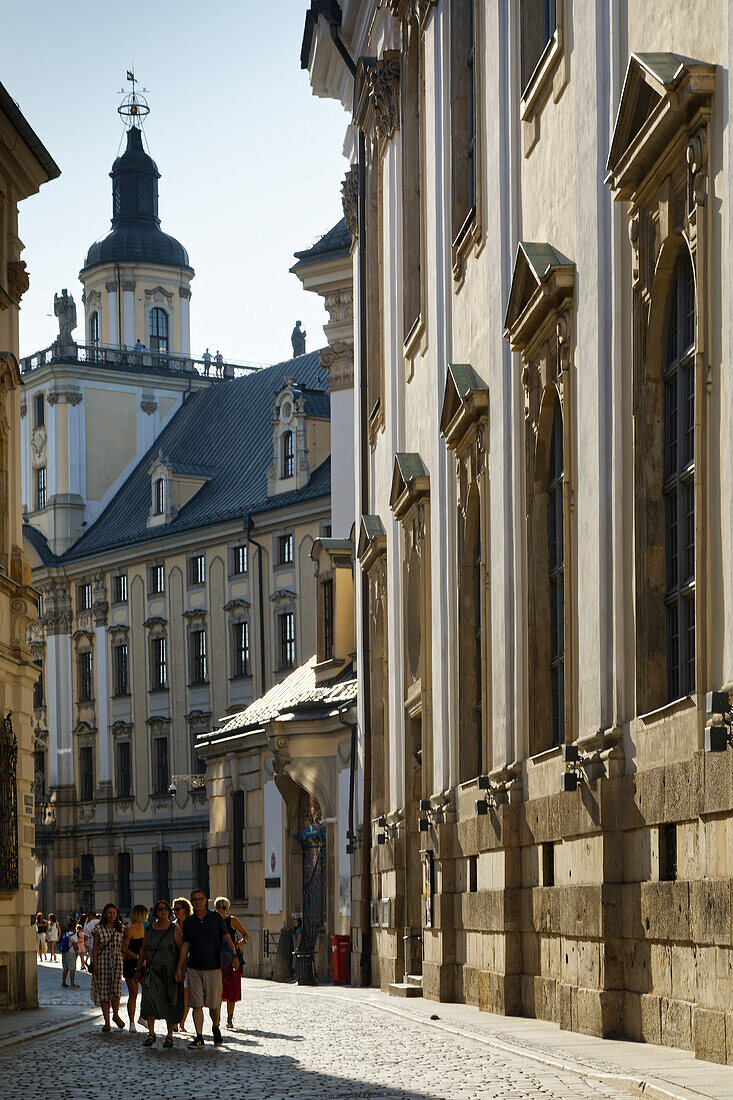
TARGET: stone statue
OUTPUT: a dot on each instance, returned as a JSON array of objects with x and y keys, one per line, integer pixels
[
  {"x": 65, "y": 310},
  {"x": 297, "y": 339}
]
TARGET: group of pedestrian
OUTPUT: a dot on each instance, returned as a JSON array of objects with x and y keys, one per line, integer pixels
[
  {"x": 173, "y": 958},
  {"x": 47, "y": 936}
]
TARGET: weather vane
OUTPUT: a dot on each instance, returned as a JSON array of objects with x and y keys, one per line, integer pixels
[{"x": 134, "y": 106}]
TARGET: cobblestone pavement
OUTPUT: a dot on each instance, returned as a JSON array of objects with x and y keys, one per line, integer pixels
[{"x": 289, "y": 1042}]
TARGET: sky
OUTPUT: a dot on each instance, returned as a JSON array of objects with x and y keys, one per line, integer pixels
[{"x": 251, "y": 162}]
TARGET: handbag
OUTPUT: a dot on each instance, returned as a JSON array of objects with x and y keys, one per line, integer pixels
[{"x": 147, "y": 975}]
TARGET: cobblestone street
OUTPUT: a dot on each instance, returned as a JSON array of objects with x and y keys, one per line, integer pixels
[{"x": 288, "y": 1042}]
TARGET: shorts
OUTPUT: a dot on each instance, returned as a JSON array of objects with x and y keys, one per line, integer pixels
[
  {"x": 41, "y": 940},
  {"x": 68, "y": 960},
  {"x": 204, "y": 988}
]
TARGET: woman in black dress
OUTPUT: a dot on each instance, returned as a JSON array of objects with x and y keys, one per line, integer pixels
[{"x": 131, "y": 945}]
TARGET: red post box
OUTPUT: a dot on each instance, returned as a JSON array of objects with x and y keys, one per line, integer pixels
[{"x": 340, "y": 959}]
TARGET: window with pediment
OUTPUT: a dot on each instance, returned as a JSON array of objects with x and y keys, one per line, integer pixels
[
  {"x": 658, "y": 166},
  {"x": 372, "y": 552},
  {"x": 539, "y": 325}
]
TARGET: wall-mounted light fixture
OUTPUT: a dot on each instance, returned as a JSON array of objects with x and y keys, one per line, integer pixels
[
  {"x": 719, "y": 731},
  {"x": 572, "y": 777},
  {"x": 427, "y": 818},
  {"x": 484, "y": 804},
  {"x": 387, "y": 831}
]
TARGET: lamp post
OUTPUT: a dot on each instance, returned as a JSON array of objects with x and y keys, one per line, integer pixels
[{"x": 196, "y": 781}]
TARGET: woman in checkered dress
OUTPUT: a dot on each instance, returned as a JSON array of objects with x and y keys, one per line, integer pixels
[{"x": 107, "y": 965}]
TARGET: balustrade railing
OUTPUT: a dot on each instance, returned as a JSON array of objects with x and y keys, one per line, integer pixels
[{"x": 128, "y": 358}]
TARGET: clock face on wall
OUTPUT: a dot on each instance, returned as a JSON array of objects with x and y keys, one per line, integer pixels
[{"x": 144, "y": 197}]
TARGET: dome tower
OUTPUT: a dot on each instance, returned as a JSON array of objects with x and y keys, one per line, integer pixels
[{"x": 137, "y": 278}]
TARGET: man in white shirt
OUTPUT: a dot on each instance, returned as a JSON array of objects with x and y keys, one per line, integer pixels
[{"x": 89, "y": 927}]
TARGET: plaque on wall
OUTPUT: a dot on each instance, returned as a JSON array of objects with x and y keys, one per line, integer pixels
[{"x": 272, "y": 883}]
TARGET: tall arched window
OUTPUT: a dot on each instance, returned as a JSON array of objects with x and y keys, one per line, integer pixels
[
  {"x": 557, "y": 580},
  {"x": 94, "y": 328},
  {"x": 158, "y": 330},
  {"x": 679, "y": 476},
  {"x": 288, "y": 455}
]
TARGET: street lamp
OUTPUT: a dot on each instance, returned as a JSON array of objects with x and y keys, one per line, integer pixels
[{"x": 196, "y": 781}]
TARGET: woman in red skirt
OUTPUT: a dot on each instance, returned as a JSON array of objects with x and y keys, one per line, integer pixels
[{"x": 231, "y": 974}]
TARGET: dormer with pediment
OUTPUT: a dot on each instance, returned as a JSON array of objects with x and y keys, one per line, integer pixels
[
  {"x": 172, "y": 486},
  {"x": 301, "y": 437}
]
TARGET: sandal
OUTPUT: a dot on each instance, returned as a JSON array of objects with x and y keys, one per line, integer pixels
[
  {"x": 168, "y": 1042},
  {"x": 149, "y": 1041}
]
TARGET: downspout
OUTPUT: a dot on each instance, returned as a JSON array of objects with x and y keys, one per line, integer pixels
[
  {"x": 353, "y": 727},
  {"x": 332, "y": 13},
  {"x": 250, "y": 526}
]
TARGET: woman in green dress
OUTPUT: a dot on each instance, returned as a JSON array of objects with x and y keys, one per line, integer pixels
[{"x": 162, "y": 995}]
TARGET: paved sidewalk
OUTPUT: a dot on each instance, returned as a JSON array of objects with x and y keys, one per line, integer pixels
[
  {"x": 58, "y": 1008},
  {"x": 652, "y": 1071}
]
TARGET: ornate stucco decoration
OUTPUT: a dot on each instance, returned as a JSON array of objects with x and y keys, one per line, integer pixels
[
  {"x": 377, "y": 96},
  {"x": 69, "y": 397},
  {"x": 338, "y": 361},
  {"x": 23, "y": 409},
  {"x": 350, "y": 202},
  {"x": 412, "y": 9},
  {"x": 148, "y": 405},
  {"x": 18, "y": 280},
  {"x": 184, "y": 292},
  {"x": 57, "y": 616},
  {"x": 236, "y": 606}
]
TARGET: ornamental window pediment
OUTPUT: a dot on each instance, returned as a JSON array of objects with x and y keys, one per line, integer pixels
[
  {"x": 543, "y": 280},
  {"x": 410, "y": 483},
  {"x": 661, "y": 96},
  {"x": 465, "y": 403},
  {"x": 372, "y": 545}
]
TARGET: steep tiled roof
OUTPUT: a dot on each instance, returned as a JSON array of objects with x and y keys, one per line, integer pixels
[
  {"x": 39, "y": 544},
  {"x": 226, "y": 431},
  {"x": 298, "y": 690}
]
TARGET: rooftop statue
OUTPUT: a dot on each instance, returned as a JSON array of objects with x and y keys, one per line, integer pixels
[
  {"x": 297, "y": 339},
  {"x": 65, "y": 310}
]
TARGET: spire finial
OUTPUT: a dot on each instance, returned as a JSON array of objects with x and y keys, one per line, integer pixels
[{"x": 134, "y": 106}]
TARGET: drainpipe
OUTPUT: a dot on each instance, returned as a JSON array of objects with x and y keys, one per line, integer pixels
[
  {"x": 250, "y": 527},
  {"x": 353, "y": 727},
  {"x": 331, "y": 10}
]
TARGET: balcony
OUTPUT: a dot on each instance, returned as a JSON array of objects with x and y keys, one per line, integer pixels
[{"x": 116, "y": 357}]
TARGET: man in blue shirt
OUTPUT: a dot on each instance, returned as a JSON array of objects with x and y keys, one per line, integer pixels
[{"x": 203, "y": 935}]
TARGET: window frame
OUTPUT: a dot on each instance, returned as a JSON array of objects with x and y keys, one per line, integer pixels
[
  {"x": 158, "y": 650},
  {"x": 241, "y": 654},
  {"x": 84, "y": 596},
  {"x": 121, "y": 669},
  {"x": 123, "y": 875},
  {"x": 159, "y": 340},
  {"x": 556, "y": 577},
  {"x": 41, "y": 488},
  {"x": 39, "y": 410},
  {"x": 287, "y": 453},
  {"x": 196, "y": 570},
  {"x": 119, "y": 588},
  {"x": 94, "y": 328},
  {"x": 678, "y": 482},
  {"x": 286, "y": 549},
  {"x": 160, "y": 771},
  {"x": 328, "y": 596},
  {"x": 198, "y": 666},
  {"x": 239, "y": 557},
  {"x": 286, "y": 639},
  {"x": 123, "y": 768},
  {"x": 155, "y": 573},
  {"x": 238, "y": 805},
  {"x": 86, "y": 773},
  {"x": 159, "y": 496},
  {"x": 85, "y": 676}
]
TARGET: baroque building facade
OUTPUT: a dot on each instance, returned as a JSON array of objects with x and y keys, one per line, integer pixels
[
  {"x": 537, "y": 196},
  {"x": 25, "y": 165},
  {"x": 170, "y": 516},
  {"x": 284, "y": 770}
]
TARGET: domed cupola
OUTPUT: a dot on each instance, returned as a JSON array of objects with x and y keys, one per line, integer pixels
[
  {"x": 137, "y": 279},
  {"x": 136, "y": 234}
]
